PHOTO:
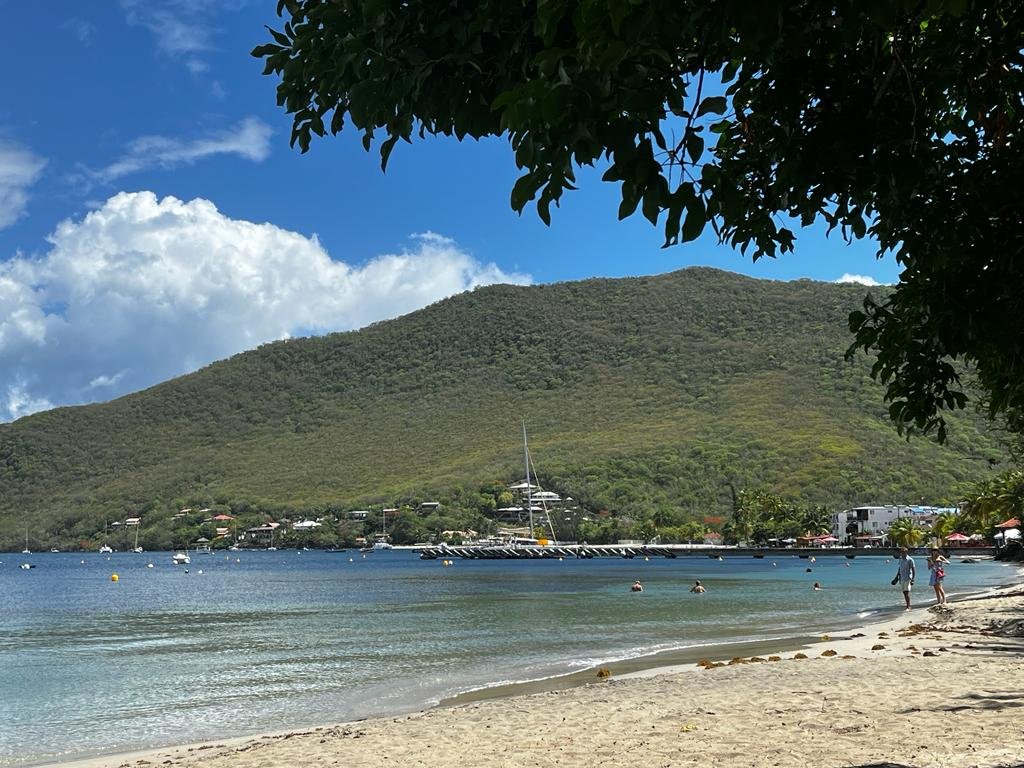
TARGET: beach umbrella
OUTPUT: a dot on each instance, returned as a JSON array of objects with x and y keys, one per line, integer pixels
[
  {"x": 957, "y": 537},
  {"x": 828, "y": 538},
  {"x": 1013, "y": 522}
]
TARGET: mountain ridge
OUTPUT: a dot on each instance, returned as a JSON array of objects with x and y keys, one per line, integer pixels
[{"x": 715, "y": 377}]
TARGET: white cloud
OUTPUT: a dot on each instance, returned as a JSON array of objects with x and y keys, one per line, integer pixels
[
  {"x": 181, "y": 27},
  {"x": 249, "y": 139},
  {"x": 19, "y": 169},
  {"x": 142, "y": 290},
  {"x": 860, "y": 279},
  {"x": 184, "y": 29}
]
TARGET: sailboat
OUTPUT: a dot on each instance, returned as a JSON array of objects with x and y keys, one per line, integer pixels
[
  {"x": 137, "y": 549},
  {"x": 271, "y": 548},
  {"x": 383, "y": 543},
  {"x": 105, "y": 549},
  {"x": 529, "y": 497},
  {"x": 26, "y": 550}
]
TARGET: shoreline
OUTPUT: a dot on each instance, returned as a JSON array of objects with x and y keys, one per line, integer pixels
[{"x": 846, "y": 643}]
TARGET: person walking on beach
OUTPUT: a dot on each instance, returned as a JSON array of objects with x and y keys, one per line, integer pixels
[
  {"x": 937, "y": 565},
  {"x": 906, "y": 574}
]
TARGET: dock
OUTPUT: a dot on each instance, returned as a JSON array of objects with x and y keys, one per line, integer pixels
[{"x": 669, "y": 551}]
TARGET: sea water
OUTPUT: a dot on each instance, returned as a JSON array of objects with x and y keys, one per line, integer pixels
[{"x": 245, "y": 642}]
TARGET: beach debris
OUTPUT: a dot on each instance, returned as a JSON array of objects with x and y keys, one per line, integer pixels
[
  {"x": 857, "y": 634},
  {"x": 799, "y": 655},
  {"x": 757, "y": 659},
  {"x": 604, "y": 672},
  {"x": 774, "y": 658},
  {"x": 883, "y": 634},
  {"x": 708, "y": 664},
  {"x": 877, "y": 647},
  {"x": 828, "y": 652},
  {"x": 849, "y": 656},
  {"x": 824, "y": 638},
  {"x": 737, "y": 660},
  {"x": 930, "y": 653},
  {"x": 687, "y": 727}
]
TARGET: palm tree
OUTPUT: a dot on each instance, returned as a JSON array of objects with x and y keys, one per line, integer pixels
[
  {"x": 999, "y": 497},
  {"x": 905, "y": 532},
  {"x": 817, "y": 520},
  {"x": 945, "y": 524}
]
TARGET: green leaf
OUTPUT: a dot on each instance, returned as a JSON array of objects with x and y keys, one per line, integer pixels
[{"x": 716, "y": 104}]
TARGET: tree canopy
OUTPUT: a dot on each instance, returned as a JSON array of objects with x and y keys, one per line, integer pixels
[{"x": 899, "y": 121}]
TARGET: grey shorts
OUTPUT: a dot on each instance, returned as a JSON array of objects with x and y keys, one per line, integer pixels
[{"x": 905, "y": 585}]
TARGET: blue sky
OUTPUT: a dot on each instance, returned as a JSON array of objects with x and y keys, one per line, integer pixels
[{"x": 153, "y": 217}]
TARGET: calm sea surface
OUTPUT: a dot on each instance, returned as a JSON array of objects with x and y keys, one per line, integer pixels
[{"x": 264, "y": 641}]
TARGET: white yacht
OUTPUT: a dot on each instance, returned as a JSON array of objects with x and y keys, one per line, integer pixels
[{"x": 181, "y": 558}]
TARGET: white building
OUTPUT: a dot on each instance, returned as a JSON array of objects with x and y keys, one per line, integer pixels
[{"x": 866, "y": 525}]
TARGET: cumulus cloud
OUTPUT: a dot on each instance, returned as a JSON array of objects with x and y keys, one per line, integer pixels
[
  {"x": 141, "y": 290},
  {"x": 249, "y": 139},
  {"x": 19, "y": 170},
  {"x": 859, "y": 279}
]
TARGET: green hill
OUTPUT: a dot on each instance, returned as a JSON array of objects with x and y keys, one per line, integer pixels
[{"x": 644, "y": 393}]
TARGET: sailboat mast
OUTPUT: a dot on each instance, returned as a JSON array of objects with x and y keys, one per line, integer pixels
[{"x": 529, "y": 485}]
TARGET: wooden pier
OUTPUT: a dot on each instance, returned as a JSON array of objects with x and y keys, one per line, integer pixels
[{"x": 670, "y": 551}]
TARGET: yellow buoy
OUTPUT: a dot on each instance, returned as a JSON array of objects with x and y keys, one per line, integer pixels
[{"x": 113, "y": 577}]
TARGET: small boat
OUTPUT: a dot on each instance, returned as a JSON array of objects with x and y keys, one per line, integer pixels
[
  {"x": 181, "y": 558},
  {"x": 105, "y": 549},
  {"x": 366, "y": 549},
  {"x": 26, "y": 566},
  {"x": 55, "y": 550}
]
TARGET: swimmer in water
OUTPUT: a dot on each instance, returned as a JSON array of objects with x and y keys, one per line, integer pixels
[
  {"x": 698, "y": 588},
  {"x": 637, "y": 586}
]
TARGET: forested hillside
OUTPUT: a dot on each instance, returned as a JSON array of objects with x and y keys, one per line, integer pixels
[{"x": 644, "y": 394}]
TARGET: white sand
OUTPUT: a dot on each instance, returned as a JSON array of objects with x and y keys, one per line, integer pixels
[{"x": 962, "y": 706}]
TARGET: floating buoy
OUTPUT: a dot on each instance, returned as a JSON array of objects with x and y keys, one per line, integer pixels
[
  {"x": 200, "y": 570},
  {"x": 351, "y": 560},
  {"x": 83, "y": 562},
  {"x": 113, "y": 577},
  {"x": 238, "y": 559},
  {"x": 774, "y": 565},
  {"x": 149, "y": 565},
  {"x": 808, "y": 570},
  {"x": 646, "y": 559},
  {"x": 561, "y": 559}
]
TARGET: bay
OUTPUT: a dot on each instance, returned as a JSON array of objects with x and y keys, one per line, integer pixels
[{"x": 247, "y": 642}]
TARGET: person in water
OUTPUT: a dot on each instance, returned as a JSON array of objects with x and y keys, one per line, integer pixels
[
  {"x": 637, "y": 586},
  {"x": 817, "y": 586},
  {"x": 698, "y": 588}
]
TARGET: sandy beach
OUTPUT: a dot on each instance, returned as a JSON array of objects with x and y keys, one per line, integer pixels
[{"x": 941, "y": 686}]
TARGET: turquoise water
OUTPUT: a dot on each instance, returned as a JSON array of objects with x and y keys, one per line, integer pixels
[{"x": 273, "y": 640}]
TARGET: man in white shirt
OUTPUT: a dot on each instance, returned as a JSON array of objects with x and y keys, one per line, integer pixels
[{"x": 907, "y": 573}]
